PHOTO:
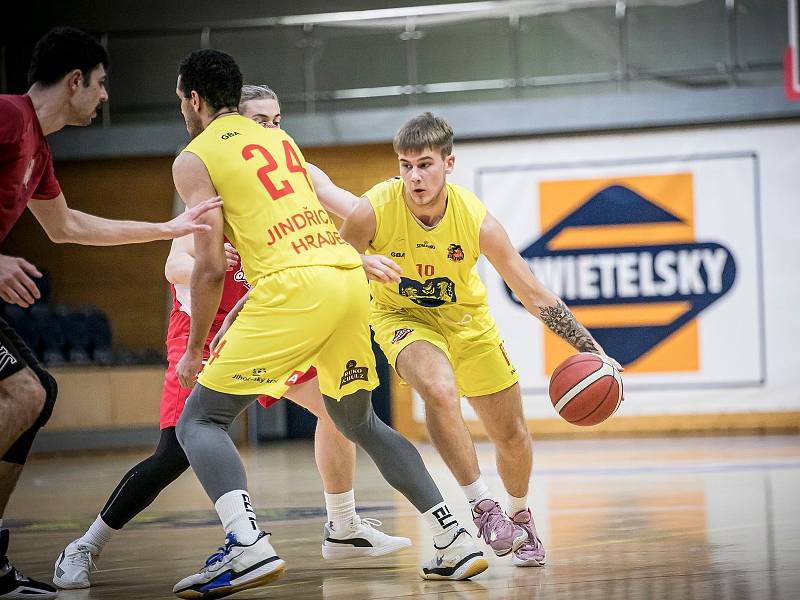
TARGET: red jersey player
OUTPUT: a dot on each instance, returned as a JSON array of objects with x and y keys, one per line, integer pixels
[{"x": 67, "y": 77}]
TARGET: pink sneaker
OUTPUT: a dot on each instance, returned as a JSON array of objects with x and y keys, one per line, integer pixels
[
  {"x": 496, "y": 528},
  {"x": 531, "y": 553}
]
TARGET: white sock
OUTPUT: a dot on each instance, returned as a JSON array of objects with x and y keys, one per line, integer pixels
[
  {"x": 98, "y": 534},
  {"x": 341, "y": 509},
  {"x": 516, "y": 504},
  {"x": 442, "y": 523},
  {"x": 476, "y": 491},
  {"x": 237, "y": 516}
]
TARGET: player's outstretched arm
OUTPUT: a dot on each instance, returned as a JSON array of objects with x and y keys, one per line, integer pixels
[
  {"x": 342, "y": 203},
  {"x": 65, "y": 225},
  {"x": 333, "y": 198},
  {"x": 358, "y": 230},
  {"x": 535, "y": 297},
  {"x": 180, "y": 261},
  {"x": 194, "y": 186}
]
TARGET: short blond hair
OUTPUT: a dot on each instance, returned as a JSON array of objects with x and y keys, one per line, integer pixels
[
  {"x": 424, "y": 132},
  {"x": 257, "y": 92}
]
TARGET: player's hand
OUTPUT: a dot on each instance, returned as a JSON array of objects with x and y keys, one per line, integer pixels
[
  {"x": 613, "y": 361},
  {"x": 188, "y": 221},
  {"x": 381, "y": 268},
  {"x": 231, "y": 256},
  {"x": 188, "y": 368},
  {"x": 16, "y": 285}
]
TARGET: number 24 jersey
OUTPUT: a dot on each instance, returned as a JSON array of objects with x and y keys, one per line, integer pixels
[{"x": 272, "y": 214}]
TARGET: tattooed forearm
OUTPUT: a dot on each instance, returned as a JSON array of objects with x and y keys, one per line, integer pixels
[{"x": 560, "y": 320}]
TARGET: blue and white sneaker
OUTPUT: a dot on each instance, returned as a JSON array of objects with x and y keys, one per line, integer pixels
[
  {"x": 459, "y": 559},
  {"x": 233, "y": 568}
]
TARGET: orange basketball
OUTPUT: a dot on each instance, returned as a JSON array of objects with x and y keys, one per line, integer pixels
[{"x": 586, "y": 389}]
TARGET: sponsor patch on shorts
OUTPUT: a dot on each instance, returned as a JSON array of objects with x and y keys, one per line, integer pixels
[
  {"x": 352, "y": 372},
  {"x": 401, "y": 334}
]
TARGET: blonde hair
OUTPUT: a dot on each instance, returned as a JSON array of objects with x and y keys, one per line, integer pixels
[
  {"x": 424, "y": 132},
  {"x": 257, "y": 92}
]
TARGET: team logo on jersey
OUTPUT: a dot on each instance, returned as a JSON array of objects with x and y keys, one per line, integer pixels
[
  {"x": 401, "y": 334},
  {"x": 455, "y": 253},
  {"x": 239, "y": 277},
  {"x": 352, "y": 372},
  {"x": 622, "y": 254},
  {"x": 433, "y": 292}
]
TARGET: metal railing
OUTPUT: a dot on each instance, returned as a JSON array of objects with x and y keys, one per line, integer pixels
[{"x": 410, "y": 25}]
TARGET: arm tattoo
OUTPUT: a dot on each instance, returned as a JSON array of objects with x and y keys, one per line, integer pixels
[{"x": 560, "y": 320}]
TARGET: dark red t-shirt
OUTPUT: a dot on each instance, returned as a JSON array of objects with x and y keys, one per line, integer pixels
[{"x": 26, "y": 165}]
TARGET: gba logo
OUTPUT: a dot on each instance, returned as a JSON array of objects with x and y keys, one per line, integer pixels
[{"x": 623, "y": 254}]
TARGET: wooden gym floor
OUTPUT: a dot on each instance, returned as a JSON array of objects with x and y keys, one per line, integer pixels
[{"x": 671, "y": 518}]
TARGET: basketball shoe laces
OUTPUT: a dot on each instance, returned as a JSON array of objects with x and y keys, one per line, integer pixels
[
  {"x": 82, "y": 558},
  {"x": 494, "y": 521},
  {"x": 222, "y": 551},
  {"x": 369, "y": 522}
]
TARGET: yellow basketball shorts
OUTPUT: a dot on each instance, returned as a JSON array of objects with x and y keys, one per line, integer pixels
[
  {"x": 468, "y": 337},
  {"x": 293, "y": 319}
]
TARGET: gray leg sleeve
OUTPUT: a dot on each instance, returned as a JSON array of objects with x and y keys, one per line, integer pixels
[
  {"x": 203, "y": 432},
  {"x": 397, "y": 459}
]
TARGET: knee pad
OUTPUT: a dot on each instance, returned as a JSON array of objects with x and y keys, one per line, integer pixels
[
  {"x": 51, "y": 393},
  {"x": 19, "y": 450}
]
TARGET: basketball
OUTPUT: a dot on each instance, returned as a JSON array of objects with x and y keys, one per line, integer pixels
[{"x": 586, "y": 389}]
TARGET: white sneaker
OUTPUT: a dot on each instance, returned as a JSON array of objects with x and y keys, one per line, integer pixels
[
  {"x": 233, "y": 568},
  {"x": 71, "y": 571},
  {"x": 361, "y": 539},
  {"x": 460, "y": 559}
]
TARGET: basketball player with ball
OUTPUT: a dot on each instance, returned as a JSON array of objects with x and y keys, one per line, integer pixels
[{"x": 435, "y": 328}]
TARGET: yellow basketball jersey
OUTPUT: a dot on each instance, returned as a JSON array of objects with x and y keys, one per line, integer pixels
[
  {"x": 438, "y": 264},
  {"x": 272, "y": 214}
]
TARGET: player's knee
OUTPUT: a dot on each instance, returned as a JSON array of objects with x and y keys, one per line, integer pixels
[
  {"x": 515, "y": 436},
  {"x": 354, "y": 425},
  {"x": 28, "y": 398},
  {"x": 183, "y": 430},
  {"x": 442, "y": 395}
]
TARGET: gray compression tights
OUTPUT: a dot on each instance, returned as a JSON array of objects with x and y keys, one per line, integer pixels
[
  {"x": 203, "y": 432},
  {"x": 397, "y": 459}
]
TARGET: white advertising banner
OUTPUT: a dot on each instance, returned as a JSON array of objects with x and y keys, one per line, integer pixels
[{"x": 678, "y": 249}]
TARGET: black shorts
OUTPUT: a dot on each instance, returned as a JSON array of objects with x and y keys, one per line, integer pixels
[{"x": 14, "y": 353}]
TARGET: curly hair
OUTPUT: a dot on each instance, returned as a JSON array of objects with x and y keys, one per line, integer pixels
[
  {"x": 215, "y": 77},
  {"x": 62, "y": 50}
]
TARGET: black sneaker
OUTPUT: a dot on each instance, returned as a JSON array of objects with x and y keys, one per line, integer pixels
[{"x": 13, "y": 584}]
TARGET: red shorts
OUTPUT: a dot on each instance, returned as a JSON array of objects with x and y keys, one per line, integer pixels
[{"x": 173, "y": 396}]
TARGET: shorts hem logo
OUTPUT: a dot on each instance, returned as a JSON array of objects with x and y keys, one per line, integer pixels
[{"x": 353, "y": 372}]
